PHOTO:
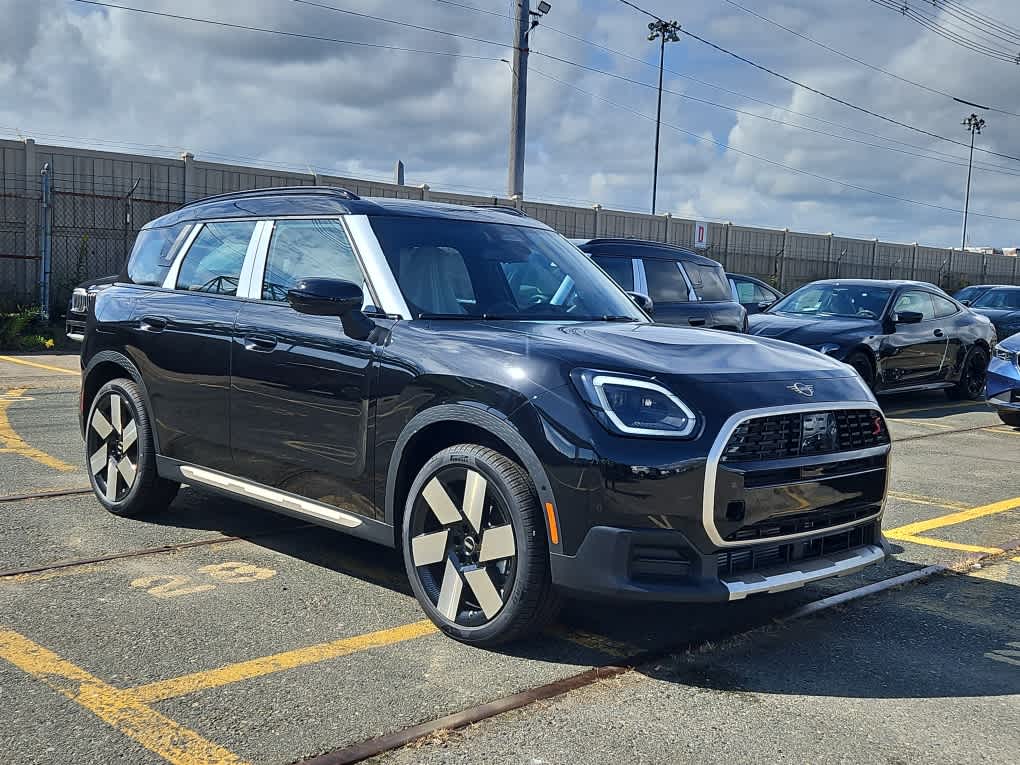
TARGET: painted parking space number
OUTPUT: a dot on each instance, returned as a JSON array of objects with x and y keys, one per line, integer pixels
[{"x": 230, "y": 572}]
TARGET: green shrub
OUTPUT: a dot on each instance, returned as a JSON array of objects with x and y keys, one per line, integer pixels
[{"x": 22, "y": 330}]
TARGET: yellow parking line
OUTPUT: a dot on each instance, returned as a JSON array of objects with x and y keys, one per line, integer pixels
[
  {"x": 1003, "y": 430},
  {"x": 922, "y": 423},
  {"x": 120, "y": 709},
  {"x": 267, "y": 665},
  {"x": 937, "y": 407},
  {"x": 601, "y": 643},
  {"x": 932, "y": 542},
  {"x": 11, "y": 442},
  {"x": 912, "y": 529},
  {"x": 36, "y": 364},
  {"x": 919, "y": 499}
]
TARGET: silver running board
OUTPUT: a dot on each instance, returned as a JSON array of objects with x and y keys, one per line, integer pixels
[{"x": 798, "y": 574}]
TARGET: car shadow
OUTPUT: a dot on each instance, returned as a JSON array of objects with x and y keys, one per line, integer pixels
[{"x": 600, "y": 633}]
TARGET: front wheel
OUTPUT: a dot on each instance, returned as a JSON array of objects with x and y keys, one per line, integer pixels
[
  {"x": 1010, "y": 418},
  {"x": 120, "y": 452},
  {"x": 862, "y": 365},
  {"x": 971, "y": 386},
  {"x": 475, "y": 547}
]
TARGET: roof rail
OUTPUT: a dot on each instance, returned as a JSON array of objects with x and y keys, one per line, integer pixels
[
  {"x": 277, "y": 190},
  {"x": 503, "y": 208}
]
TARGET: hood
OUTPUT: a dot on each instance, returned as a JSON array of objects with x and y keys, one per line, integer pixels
[
  {"x": 655, "y": 349},
  {"x": 1011, "y": 343},
  {"x": 813, "y": 331},
  {"x": 1006, "y": 320}
]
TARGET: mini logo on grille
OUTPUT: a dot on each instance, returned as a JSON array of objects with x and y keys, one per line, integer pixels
[{"x": 802, "y": 389}]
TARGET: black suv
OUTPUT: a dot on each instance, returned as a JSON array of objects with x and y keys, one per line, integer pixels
[
  {"x": 685, "y": 288},
  {"x": 466, "y": 385}
]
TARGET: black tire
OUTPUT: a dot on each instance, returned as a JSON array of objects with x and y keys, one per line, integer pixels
[
  {"x": 513, "y": 595},
  {"x": 1010, "y": 418},
  {"x": 862, "y": 364},
  {"x": 119, "y": 450},
  {"x": 971, "y": 386}
]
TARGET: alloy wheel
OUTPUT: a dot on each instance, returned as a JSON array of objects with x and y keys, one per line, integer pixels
[
  {"x": 112, "y": 441},
  {"x": 463, "y": 546},
  {"x": 977, "y": 371}
]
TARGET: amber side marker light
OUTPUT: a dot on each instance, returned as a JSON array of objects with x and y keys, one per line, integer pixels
[{"x": 554, "y": 532}]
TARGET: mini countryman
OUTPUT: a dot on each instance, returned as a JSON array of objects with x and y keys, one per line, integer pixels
[{"x": 465, "y": 385}]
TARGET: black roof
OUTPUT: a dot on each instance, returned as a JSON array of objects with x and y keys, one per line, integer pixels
[
  {"x": 645, "y": 249},
  {"x": 328, "y": 201}
]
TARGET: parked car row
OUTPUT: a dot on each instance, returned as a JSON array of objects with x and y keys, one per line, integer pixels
[{"x": 465, "y": 385}]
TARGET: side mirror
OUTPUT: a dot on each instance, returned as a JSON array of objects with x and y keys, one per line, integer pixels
[
  {"x": 965, "y": 302},
  {"x": 765, "y": 305},
  {"x": 908, "y": 317},
  {"x": 333, "y": 297},
  {"x": 643, "y": 302}
]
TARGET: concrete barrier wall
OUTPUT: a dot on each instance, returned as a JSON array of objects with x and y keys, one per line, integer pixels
[{"x": 100, "y": 199}]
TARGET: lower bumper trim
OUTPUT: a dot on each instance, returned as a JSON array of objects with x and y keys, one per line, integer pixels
[{"x": 795, "y": 575}]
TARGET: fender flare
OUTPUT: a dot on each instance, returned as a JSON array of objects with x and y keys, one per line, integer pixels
[
  {"x": 493, "y": 421},
  {"x": 125, "y": 363}
]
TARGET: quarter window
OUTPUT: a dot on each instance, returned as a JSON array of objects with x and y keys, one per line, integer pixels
[
  {"x": 213, "y": 262},
  {"x": 709, "y": 282},
  {"x": 620, "y": 269},
  {"x": 919, "y": 302},
  {"x": 665, "y": 282},
  {"x": 303, "y": 249},
  {"x": 943, "y": 306},
  {"x": 749, "y": 292}
]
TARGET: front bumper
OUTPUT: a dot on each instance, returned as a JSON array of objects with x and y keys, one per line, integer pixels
[
  {"x": 663, "y": 566},
  {"x": 1003, "y": 384}
]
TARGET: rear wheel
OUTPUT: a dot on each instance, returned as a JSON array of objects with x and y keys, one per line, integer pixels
[
  {"x": 474, "y": 547},
  {"x": 971, "y": 386},
  {"x": 1010, "y": 418},
  {"x": 862, "y": 365},
  {"x": 120, "y": 455}
]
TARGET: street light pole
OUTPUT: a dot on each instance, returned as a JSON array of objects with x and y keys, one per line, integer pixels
[
  {"x": 974, "y": 124},
  {"x": 664, "y": 32}
]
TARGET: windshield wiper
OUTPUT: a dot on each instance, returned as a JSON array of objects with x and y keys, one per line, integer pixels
[
  {"x": 618, "y": 318},
  {"x": 461, "y": 316}
]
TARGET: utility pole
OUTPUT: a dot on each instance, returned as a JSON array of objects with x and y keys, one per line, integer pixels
[
  {"x": 974, "y": 124},
  {"x": 525, "y": 20},
  {"x": 664, "y": 32}
]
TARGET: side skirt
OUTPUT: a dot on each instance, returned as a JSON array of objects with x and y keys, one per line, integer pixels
[
  {"x": 922, "y": 386},
  {"x": 276, "y": 500}
]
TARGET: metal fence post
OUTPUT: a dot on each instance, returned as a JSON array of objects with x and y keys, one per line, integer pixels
[
  {"x": 874, "y": 258},
  {"x": 665, "y": 231},
  {"x": 45, "y": 231},
  {"x": 782, "y": 262},
  {"x": 726, "y": 246},
  {"x": 598, "y": 220},
  {"x": 425, "y": 192},
  {"x": 913, "y": 262},
  {"x": 187, "y": 193},
  {"x": 828, "y": 257},
  {"x": 1016, "y": 263}
]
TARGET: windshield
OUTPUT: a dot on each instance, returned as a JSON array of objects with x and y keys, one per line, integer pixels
[
  {"x": 1009, "y": 299},
  {"x": 968, "y": 293},
  {"x": 468, "y": 269},
  {"x": 829, "y": 300},
  {"x": 709, "y": 281}
]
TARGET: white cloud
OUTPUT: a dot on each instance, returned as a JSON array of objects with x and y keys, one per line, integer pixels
[{"x": 79, "y": 70}]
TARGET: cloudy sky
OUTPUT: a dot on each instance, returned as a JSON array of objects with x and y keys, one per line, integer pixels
[{"x": 70, "y": 72}]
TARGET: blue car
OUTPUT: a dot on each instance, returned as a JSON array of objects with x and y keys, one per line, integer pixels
[{"x": 1004, "y": 380}]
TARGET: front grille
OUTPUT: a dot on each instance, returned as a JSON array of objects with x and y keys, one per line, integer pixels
[
  {"x": 760, "y": 557},
  {"x": 800, "y": 524},
  {"x": 802, "y": 434},
  {"x": 79, "y": 301}
]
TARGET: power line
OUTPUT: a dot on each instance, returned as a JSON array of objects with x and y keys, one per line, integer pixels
[
  {"x": 961, "y": 163},
  {"x": 748, "y": 97},
  {"x": 407, "y": 24},
  {"x": 843, "y": 54},
  {"x": 774, "y": 163},
  {"x": 992, "y": 22},
  {"x": 265, "y": 30},
  {"x": 823, "y": 94},
  {"x": 944, "y": 29}
]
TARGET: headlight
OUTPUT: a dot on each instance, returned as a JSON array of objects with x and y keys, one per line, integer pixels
[{"x": 634, "y": 407}]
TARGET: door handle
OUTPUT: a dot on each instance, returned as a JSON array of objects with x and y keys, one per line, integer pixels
[
  {"x": 696, "y": 322},
  {"x": 152, "y": 323},
  {"x": 263, "y": 343},
  {"x": 938, "y": 333}
]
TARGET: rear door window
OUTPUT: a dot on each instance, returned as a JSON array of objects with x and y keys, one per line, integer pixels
[
  {"x": 709, "y": 281},
  {"x": 621, "y": 270},
  {"x": 213, "y": 262},
  {"x": 917, "y": 301},
  {"x": 665, "y": 282}
]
